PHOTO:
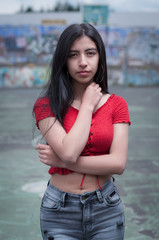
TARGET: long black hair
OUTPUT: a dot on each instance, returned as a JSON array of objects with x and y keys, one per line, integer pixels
[{"x": 59, "y": 89}]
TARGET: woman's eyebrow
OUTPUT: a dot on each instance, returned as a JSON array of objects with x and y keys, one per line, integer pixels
[
  {"x": 91, "y": 49},
  {"x": 74, "y": 50},
  {"x": 88, "y": 49}
]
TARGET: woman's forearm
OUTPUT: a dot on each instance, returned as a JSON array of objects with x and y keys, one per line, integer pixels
[
  {"x": 112, "y": 163},
  {"x": 75, "y": 140},
  {"x": 99, "y": 165}
]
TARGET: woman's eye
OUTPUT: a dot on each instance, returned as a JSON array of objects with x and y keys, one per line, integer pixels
[
  {"x": 71, "y": 55},
  {"x": 91, "y": 53}
]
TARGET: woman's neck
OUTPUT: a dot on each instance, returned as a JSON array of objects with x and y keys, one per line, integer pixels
[{"x": 79, "y": 89}]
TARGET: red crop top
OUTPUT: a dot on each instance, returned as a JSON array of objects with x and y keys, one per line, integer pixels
[{"x": 114, "y": 110}]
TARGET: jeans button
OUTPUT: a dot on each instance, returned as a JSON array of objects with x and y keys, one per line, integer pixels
[{"x": 84, "y": 197}]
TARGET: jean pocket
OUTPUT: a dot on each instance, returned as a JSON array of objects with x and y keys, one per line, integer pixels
[
  {"x": 50, "y": 204},
  {"x": 113, "y": 198}
]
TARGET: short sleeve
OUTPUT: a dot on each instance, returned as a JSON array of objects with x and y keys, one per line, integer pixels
[
  {"x": 42, "y": 110},
  {"x": 120, "y": 111}
]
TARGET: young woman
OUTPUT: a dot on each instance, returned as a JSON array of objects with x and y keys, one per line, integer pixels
[{"x": 86, "y": 131}]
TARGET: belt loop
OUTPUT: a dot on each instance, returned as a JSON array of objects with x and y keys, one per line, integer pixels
[
  {"x": 48, "y": 183},
  {"x": 63, "y": 199},
  {"x": 99, "y": 195},
  {"x": 113, "y": 178}
]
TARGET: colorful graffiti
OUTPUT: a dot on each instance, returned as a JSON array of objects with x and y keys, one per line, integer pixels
[
  {"x": 26, "y": 51},
  {"x": 133, "y": 77},
  {"x": 26, "y": 76},
  {"x": 30, "y": 76},
  {"x": 23, "y": 44},
  {"x": 140, "y": 46},
  {"x": 143, "y": 46},
  {"x": 140, "y": 77}
]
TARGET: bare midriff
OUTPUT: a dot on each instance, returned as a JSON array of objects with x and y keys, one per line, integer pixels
[{"x": 71, "y": 182}]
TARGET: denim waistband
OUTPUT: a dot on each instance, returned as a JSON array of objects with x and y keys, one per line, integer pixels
[{"x": 87, "y": 196}]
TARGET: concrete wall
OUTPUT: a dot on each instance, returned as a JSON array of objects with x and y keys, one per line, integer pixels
[
  {"x": 37, "y": 18},
  {"x": 134, "y": 19},
  {"x": 116, "y": 19}
]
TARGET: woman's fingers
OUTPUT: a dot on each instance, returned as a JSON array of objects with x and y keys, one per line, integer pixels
[{"x": 42, "y": 146}]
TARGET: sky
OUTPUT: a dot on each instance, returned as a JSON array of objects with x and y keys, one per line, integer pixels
[{"x": 13, "y": 6}]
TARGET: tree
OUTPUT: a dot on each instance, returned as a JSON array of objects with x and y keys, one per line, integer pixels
[
  {"x": 29, "y": 9},
  {"x": 66, "y": 6}
]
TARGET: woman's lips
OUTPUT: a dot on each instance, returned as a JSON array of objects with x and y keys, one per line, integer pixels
[{"x": 83, "y": 73}]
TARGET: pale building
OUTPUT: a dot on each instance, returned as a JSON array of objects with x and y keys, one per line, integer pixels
[{"x": 116, "y": 19}]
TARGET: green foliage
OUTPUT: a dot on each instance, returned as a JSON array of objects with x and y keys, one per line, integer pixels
[
  {"x": 66, "y": 6},
  {"x": 29, "y": 9},
  {"x": 59, "y": 7}
]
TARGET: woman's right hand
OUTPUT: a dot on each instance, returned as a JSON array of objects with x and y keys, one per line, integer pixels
[
  {"x": 92, "y": 96},
  {"x": 48, "y": 156}
]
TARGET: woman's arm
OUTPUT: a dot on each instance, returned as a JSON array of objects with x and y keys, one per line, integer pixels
[
  {"x": 112, "y": 163},
  {"x": 68, "y": 146}
]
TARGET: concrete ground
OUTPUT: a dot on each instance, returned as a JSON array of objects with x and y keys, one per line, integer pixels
[{"x": 23, "y": 178}]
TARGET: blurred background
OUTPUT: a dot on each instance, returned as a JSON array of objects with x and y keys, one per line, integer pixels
[{"x": 29, "y": 31}]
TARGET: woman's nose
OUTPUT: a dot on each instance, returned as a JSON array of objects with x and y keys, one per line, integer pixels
[{"x": 82, "y": 61}]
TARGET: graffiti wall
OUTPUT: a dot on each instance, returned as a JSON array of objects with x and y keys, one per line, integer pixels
[
  {"x": 133, "y": 77},
  {"x": 138, "y": 46},
  {"x": 23, "y": 44},
  {"x": 26, "y": 51},
  {"x": 23, "y": 76}
]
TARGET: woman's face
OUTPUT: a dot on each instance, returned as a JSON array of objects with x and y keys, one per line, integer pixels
[{"x": 82, "y": 62}]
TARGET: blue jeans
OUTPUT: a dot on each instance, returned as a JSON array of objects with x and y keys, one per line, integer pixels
[{"x": 97, "y": 215}]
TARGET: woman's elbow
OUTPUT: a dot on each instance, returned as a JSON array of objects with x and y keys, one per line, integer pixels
[
  {"x": 120, "y": 170},
  {"x": 121, "y": 167},
  {"x": 69, "y": 158}
]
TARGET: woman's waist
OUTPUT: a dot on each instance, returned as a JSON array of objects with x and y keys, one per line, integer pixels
[{"x": 78, "y": 183}]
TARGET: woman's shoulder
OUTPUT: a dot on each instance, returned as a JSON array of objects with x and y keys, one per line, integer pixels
[
  {"x": 42, "y": 101},
  {"x": 42, "y": 109},
  {"x": 119, "y": 109},
  {"x": 116, "y": 100}
]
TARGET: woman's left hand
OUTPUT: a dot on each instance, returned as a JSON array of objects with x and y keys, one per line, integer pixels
[{"x": 48, "y": 156}]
